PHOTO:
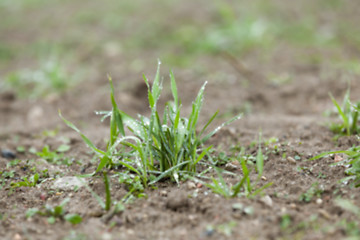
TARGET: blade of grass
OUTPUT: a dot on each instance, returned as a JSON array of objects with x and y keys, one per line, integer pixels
[{"x": 342, "y": 114}]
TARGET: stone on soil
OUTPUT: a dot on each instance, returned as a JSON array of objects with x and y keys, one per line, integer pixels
[{"x": 67, "y": 183}]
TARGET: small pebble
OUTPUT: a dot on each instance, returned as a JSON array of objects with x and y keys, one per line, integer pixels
[
  {"x": 291, "y": 160},
  {"x": 319, "y": 201},
  {"x": 231, "y": 167},
  {"x": 263, "y": 178},
  {"x": 6, "y": 153},
  {"x": 163, "y": 193},
  {"x": 191, "y": 185},
  {"x": 199, "y": 185},
  {"x": 325, "y": 214},
  {"x": 17, "y": 237},
  {"x": 267, "y": 201},
  {"x": 293, "y": 205},
  {"x": 43, "y": 196}
]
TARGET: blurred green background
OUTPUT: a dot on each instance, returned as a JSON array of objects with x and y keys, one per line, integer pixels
[{"x": 49, "y": 46}]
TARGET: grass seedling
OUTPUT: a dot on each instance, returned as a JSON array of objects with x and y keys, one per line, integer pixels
[
  {"x": 219, "y": 186},
  {"x": 27, "y": 182},
  {"x": 352, "y": 161},
  {"x": 313, "y": 191},
  {"x": 53, "y": 213},
  {"x": 55, "y": 157},
  {"x": 349, "y": 114},
  {"x": 109, "y": 203},
  {"x": 158, "y": 147}
]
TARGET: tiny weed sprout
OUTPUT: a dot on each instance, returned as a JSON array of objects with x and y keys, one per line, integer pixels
[
  {"x": 27, "y": 182},
  {"x": 56, "y": 212},
  {"x": 314, "y": 191},
  {"x": 158, "y": 147},
  {"x": 349, "y": 114},
  {"x": 243, "y": 187},
  {"x": 109, "y": 205},
  {"x": 352, "y": 162}
]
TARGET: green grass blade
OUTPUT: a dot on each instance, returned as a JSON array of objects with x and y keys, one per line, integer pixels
[
  {"x": 324, "y": 154},
  {"x": 239, "y": 185},
  {"x": 86, "y": 140},
  {"x": 342, "y": 114},
  {"x": 203, "y": 153},
  {"x": 97, "y": 197},
  {"x": 348, "y": 205},
  {"x": 116, "y": 121},
  {"x": 167, "y": 172},
  {"x": 204, "y": 139},
  {"x": 107, "y": 191},
  {"x": 208, "y": 123},
  {"x": 260, "y": 159},
  {"x": 103, "y": 162},
  {"x": 259, "y": 190},
  {"x": 174, "y": 90}
]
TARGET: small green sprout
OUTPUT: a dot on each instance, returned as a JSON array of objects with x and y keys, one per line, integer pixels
[
  {"x": 219, "y": 186},
  {"x": 56, "y": 157},
  {"x": 352, "y": 161},
  {"x": 56, "y": 212},
  {"x": 349, "y": 114},
  {"x": 27, "y": 182},
  {"x": 314, "y": 191}
]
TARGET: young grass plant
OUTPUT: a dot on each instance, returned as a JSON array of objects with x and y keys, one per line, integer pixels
[
  {"x": 56, "y": 212},
  {"x": 159, "y": 147},
  {"x": 219, "y": 186},
  {"x": 352, "y": 161},
  {"x": 349, "y": 114}
]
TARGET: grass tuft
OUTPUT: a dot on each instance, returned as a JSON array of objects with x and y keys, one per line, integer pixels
[{"x": 159, "y": 147}]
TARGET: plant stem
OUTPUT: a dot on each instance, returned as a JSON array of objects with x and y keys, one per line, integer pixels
[{"x": 107, "y": 190}]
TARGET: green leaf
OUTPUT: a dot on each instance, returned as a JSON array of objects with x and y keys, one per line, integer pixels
[
  {"x": 51, "y": 220},
  {"x": 342, "y": 114},
  {"x": 174, "y": 90},
  {"x": 73, "y": 218},
  {"x": 259, "y": 159},
  {"x": 86, "y": 140},
  {"x": 237, "y": 117},
  {"x": 63, "y": 148},
  {"x": 31, "y": 212},
  {"x": 167, "y": 172}
]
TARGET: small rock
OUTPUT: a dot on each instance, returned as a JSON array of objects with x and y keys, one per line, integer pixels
[
  {"x": 67, "y": 183},
  {"x": 6, "y": 153},
  {"x": 35, "y": 114},
  {"x": 163, "y": 193},
  {"x": 319, "y": 201},
  {"x": 209, "y": 232},
  {"x": 325, "y": 214},
  {"x": 231, "y": 167},
  {"x": 293, "y": 205},
  {"x": 43, "y": 196},
  {"x": 191, "y": 185},
  {"x": 17, "y": 237},
  {"x": 263, "y": 178},
  {"x": 267, "y": 201},
  {"x": 106, "y": 236},
  {"x": 291, "y": 160},
  {"x": 338, "y": 158},
  {"x": 199, "y": 185}
]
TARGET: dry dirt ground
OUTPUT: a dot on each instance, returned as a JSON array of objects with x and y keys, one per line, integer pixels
[{"x": 281, "y": 85}]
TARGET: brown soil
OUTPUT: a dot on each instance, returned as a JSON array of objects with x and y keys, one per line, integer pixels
[{"x": 291, "y": 112}]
